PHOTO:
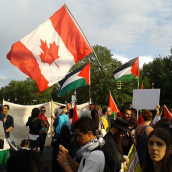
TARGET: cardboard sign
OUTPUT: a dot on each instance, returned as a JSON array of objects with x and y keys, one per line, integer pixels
[{"x": 146, "y": 98}]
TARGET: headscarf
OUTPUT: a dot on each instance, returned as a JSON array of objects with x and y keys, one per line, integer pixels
[
  {"x": 86, "y": 113},
  {"x": 58, "y": 113},
  {"x": 2, "y": 135},
  {"x": 63, "y": 120}
]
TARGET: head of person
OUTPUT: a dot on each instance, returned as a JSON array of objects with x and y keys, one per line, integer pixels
[
  {"x": 85, "y": 130},
  {"x": 158, "y": 150},
  {"x": 69, "y": 106},
  {"x": 106, "y": 110},
  {"x": 147, "y": 115},
  {"x": 58, "y": 113},
  {"x": 64, "y": 109},
  {"x": 27, "y": 161},
  {"x": 95, "y": 106},
  {"x": 6, "y": 108},
  {"x": 126, "y": 113},
  {"x": 71, "y": 113},
  {"x": 86, "y": 113},
  {"x": 25, "y": 143},
  {"x": 95, "y": 117},
  {"x": 35, "y": 113},
  {"x": 43, "y": 110}
]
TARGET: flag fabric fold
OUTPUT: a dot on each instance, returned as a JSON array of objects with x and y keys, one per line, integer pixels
[
  {"x": 113, "y": 107},
  {"x": 128, "y": 71},
  {"x": 78, "y": 78},
  {"x": 48, "y": 53},
  {"x": 167, "y": 113}
]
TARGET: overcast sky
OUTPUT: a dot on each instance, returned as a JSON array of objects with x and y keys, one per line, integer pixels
[{"x": 129, "y": 28}]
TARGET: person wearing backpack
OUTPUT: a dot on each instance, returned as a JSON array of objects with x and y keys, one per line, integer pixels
[
  {"x": 87, "y": 159},
  {"x": 113, "y": 142}
]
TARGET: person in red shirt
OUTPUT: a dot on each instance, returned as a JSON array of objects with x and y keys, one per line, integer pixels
[{"x": 44, "y": 130}]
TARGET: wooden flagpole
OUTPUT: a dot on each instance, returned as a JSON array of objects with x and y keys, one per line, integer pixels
[{"x": 92, "y": 51}]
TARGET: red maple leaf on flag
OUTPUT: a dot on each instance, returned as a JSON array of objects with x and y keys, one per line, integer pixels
[{"x": 49, "y": 55}]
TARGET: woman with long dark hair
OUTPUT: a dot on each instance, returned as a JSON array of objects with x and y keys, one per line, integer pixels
[
  {"x": 98, "y": 123},
  {"x": 35, "y": 125},
  {"x": 158, "y": 155}
]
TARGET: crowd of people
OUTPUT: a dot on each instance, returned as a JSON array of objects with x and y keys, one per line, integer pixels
[{"x": 94, "y": 143}]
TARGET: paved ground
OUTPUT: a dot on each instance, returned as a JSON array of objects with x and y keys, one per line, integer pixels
[{"x": 46, "y": 153}]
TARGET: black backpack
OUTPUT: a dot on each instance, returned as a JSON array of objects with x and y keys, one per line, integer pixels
[{"x": 109, "y": 163}]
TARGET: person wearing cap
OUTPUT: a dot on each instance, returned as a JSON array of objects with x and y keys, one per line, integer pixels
[{"x": 113, "y": 140}]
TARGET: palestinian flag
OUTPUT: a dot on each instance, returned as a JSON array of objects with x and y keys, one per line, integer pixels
[
  {"x": 113, "y": 107},
  {"x": 128, "y": 71},
  {"x": 74, "y": 145},
  {"x": 75, "y": 79},
  {"x": 167, "y": 113}
]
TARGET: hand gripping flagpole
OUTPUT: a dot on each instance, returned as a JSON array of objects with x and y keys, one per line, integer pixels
[{"x": 92, "y": 51}]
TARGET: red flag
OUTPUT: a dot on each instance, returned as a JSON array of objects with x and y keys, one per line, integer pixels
[
  {"x": 48, "y": 53},
  {"x": 75, "y": 115},
  {"x": 167, "y": 113},
  {"x": 142, "y": 86},
  {"x": 113, "y": 107}
]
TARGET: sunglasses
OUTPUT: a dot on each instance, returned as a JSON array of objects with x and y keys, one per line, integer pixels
[{"x": 42, "y": 110}]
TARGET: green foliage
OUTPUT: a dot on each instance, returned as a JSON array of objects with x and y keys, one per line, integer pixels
[
  {"x": 25, "y": 92},
  {"x": 159, "y": 72}
]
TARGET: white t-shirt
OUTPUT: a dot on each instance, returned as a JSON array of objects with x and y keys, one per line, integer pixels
[
  {"x": 156, "y": 119},
  {"x": 94, "y": 163}
]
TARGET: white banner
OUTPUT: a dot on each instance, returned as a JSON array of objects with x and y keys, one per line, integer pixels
[{"x": 21, "y": 113}]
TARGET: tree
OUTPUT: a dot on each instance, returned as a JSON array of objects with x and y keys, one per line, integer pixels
[
  {"x": 99, "y": 87},
  {"x": 159, "y": 72}
]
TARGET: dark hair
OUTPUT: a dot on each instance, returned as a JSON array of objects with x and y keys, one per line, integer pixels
[
  {"x": 71, "y": 113},
  {"x": 42, "y": 107},
  {"x": 161, "y": 109},
  {"x": 164, "y": 136},
  {"x": 159, "y": 123},
  {"x": 133, "y": 120},
  {"x": 104, "y": 109},
  {"x": 35, "y": 113},
  {"x": 27, "y": 161},
  {"x": 124, "y": 108},
  {"x": 62, "y": 107},
  {"x": 147, "y": 115},
  {"x": 85, "y": 124},
  {"x": 95, "y": 118},
  {"x": 24, "y": 142},
  {"x": 7, "y": 107},
  {"x": 94, "y": 103},
  {"x": 1, "y": 144}
]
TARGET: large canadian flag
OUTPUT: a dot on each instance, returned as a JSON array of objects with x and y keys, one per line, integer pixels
[{"x": 47, "y": 54}]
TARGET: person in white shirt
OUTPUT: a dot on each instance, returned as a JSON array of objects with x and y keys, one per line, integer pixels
[{"x": 87, "y": 159}]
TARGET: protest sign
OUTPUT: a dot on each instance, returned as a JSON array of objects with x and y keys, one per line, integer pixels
[
  {"x": 146, "y": 98},
  {"x": 133, "y": 165}
]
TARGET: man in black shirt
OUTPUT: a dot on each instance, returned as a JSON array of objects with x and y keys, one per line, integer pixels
[{"x": 8, "y": 121}]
